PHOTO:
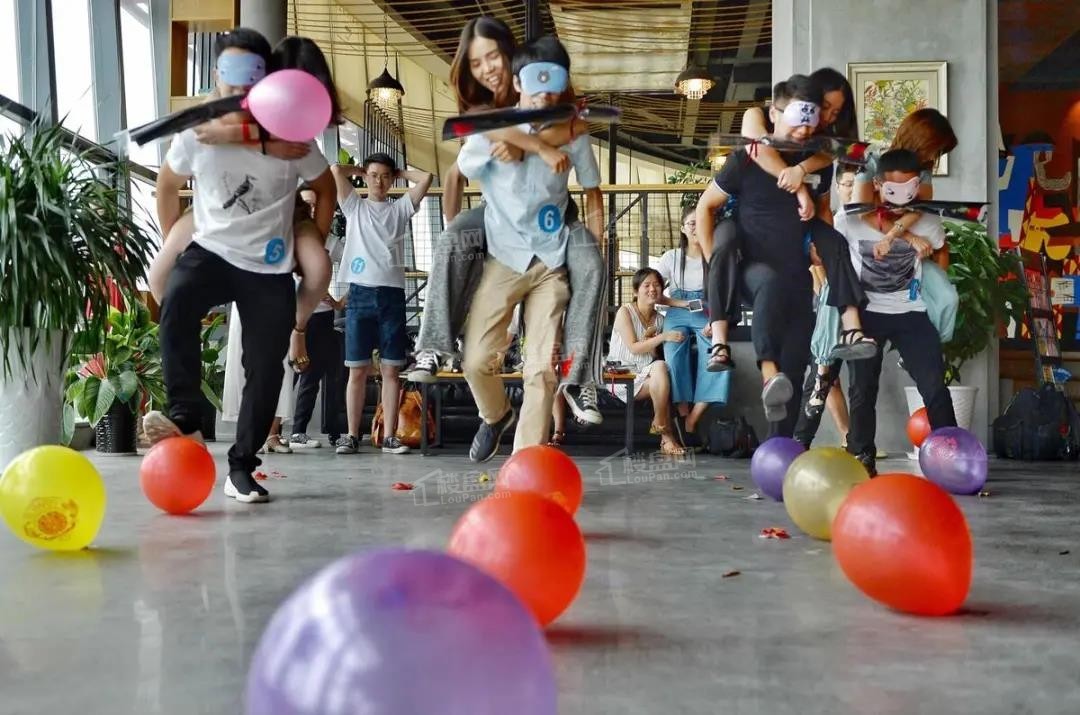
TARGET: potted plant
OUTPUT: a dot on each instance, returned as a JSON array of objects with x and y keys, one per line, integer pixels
[
  {"x": 118, "y": 372},
  {"x": 990, "y": 295},
  {"x": 66, "y": 228},
  {"x": 213, "y": 375}
]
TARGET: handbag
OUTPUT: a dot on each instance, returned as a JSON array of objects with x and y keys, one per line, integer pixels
[{"x": 409, "y": 420}]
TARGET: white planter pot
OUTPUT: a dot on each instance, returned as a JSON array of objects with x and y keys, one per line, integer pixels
[
  {"x": 31, "y": 400},
  {"x": 963, "y": 400}
]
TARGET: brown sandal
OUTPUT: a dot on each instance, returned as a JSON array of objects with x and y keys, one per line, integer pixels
[
  {"x": 557, "y": 439},
  {"x": 669, "y": 446}
]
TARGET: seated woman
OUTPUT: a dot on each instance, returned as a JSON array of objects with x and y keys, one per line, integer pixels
[
  {"x": 635, "y": 339},
  {"x": 837, "y": 119},
  {"x": 684, "y": 270}
]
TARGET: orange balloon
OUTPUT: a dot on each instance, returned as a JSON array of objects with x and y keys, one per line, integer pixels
[
  {"x": 529, "y": 543},
  {"x": 903, "y": 541},
  {"x": 177, "y": 475},
  {"x": 918, "y": 427},
  {"x": 542, "y": 470}
]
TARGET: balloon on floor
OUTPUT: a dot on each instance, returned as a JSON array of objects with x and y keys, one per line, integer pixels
[
  {"x": 955, "y": 460},
  {"x": 903, "y": 541},
  {"x": 918, "y": 427},
  {"x": 770, "y": 463},
  {"x": 816, "y": 484},
  {"x": 394, "y": 631},
  {"x": 542, "y": 470},
  {"x": 177, "y": 475},
  {"x": 530, "y": 544},
  {"x": 52, "y": 497}
]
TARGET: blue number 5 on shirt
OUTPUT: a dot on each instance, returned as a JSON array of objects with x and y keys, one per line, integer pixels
[{"x": 275, "y": 251}]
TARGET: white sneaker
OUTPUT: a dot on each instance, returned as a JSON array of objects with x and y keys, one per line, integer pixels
[
  {"x": 300, "y": 440},
  {"x": 426, "y": 368},
  {"x": 156, "y": 427},
  {"x": 248, "y": 493}
]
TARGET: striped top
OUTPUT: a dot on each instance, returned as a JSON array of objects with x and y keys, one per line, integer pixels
[{"x": 620, "y": 351}]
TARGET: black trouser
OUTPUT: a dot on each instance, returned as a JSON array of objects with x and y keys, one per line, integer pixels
[
  {"x": 722, "y": 283},
  {"x": 267, "y": 306},
  {"x": 325, "y": 347},
  {"x": 915, "y": 337},
  {"x": 807, "y": 427},
  {"x": 832, "y": 249},
  {"x": 782, "y": 325}
]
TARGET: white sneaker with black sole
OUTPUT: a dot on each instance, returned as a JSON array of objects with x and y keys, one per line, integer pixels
[
  {"x": 426, "y": 367},
  {"x": 393, "y": 445},
  {"x": 583, "y": 403},
  {"x": 242, "y": 487}
]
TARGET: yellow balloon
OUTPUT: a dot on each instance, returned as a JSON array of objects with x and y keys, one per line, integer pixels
[
  {"x": 52, "y": 497},
  {"x": 815, "y": 485}
]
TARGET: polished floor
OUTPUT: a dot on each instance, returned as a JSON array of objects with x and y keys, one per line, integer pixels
[{"x": 162, "y": 616}]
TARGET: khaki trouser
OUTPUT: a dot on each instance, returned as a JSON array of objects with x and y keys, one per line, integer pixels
[{"x": 545, "y": 293}]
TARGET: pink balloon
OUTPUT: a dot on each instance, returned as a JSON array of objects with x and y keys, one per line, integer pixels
[{"x": 290, "y": 104}]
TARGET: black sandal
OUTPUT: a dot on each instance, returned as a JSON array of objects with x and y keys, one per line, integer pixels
[
  {"x": 720, "y": 358},
  {"x": 815, "y": 406},
  {"x": 854, "y": 344}
]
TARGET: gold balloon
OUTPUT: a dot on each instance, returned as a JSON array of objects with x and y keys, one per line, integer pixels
[
  {"x": 815, "y": 486},
  {"x": 53, "y": 498}
]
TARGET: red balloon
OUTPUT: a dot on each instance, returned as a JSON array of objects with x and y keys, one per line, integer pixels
[
  {"x": 918, "y": 427},
  {"x": 177, "y": 475},
  {"x": 903, "y": 541},
  {"x": 542, "y": 470},
  {"x": 529, "y": 543}
]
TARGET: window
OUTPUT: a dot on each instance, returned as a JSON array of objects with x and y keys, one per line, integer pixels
[
  {"x": 9, "y": 53},
  {"x": 74, "y": 81},
  {"x": 140, "y": 97}
]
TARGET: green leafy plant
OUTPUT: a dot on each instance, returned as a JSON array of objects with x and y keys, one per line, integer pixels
[
  {"x": 213, "y": 372},
  {"x": 696, "y": 173},
  {"x": 121, "y": 365},
  {"x": 991, "y": 293},
  {"x": 66, "y": 230}
]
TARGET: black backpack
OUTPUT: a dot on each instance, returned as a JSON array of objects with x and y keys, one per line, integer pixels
[
  {"x": 1038, "y": 425},
  {"x": 732, "y": 437}
]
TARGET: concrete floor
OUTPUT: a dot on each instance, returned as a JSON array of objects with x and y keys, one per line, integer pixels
[{"x": 162, "y": 616}]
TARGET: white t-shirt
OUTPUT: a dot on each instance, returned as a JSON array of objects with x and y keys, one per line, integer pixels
[
  {"x": 244, "y": 200},
  {"x": 692, "y": 279},
  {"x": 892, "y": 284},
  {"x": 374, "y": 252}
]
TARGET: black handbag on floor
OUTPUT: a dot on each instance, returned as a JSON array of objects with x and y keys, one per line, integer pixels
[
  {"x": 732, "y": 437},
  {"x": 1038, "y": 425}
]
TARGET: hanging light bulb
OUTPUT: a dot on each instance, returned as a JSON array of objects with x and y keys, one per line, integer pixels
[
  {"x": 693, "y": 82},
  {"x": 385, "y": 89}
]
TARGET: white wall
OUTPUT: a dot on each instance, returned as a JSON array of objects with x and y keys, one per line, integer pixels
[{"x": 808, "y": 34}]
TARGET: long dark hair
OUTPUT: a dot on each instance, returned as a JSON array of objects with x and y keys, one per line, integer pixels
[
  {"x": 641, "y": 275},
  {"x": 303, "y": 54},
  {"x": 684, "y": 245},
  {"x": 845, "y": 126},
  {"x": 470, "y": 93}
]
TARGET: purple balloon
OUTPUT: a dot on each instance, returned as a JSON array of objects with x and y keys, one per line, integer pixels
[
  {"x": 954, "y": 459},
  {"x": 770, "y": 463},
  {"x": 395, "y": 631}
]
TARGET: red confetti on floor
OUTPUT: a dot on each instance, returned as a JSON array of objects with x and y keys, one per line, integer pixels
[
  {"x": 774, "y": 532},
  {"x": 402, "y": 486},
  {"x": 261, "y": 476},
  {"x": 720, "y": 478}
]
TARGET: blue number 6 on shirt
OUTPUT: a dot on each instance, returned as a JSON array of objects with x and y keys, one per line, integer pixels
[{"x": 550, "y": 218}]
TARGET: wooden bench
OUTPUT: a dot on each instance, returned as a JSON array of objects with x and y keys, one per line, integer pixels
[{"x": 512, "y": 378}]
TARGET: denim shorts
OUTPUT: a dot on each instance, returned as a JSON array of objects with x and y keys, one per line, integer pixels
[{"x": 375, "y": 318}]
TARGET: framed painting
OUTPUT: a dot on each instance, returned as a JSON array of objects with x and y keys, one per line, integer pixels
[{"x": 886, "y": 92}]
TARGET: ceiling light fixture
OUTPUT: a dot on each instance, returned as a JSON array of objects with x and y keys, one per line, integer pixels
[
  {"x": 385, "y": 88},
  {"x": 693, "y": 82}
]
